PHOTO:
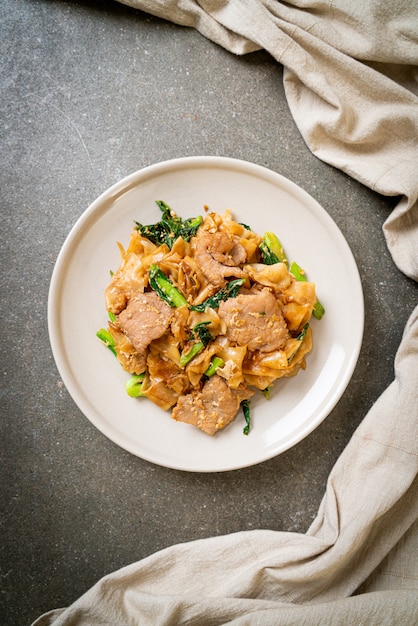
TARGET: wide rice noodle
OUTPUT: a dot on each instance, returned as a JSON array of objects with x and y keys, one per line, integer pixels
[{"x": 165, "y": 381}]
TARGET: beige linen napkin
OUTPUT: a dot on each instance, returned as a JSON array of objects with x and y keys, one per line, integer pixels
[{"x": 350, "y": 77}]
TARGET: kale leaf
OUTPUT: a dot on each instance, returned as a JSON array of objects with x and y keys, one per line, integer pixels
[{"x": 170, "y": 227}]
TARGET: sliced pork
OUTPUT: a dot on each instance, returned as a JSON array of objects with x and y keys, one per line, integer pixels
[
  {"x": 213, "y": 408},
  {"x": 219, "y": 256},
  {"x": 255, "y": 321},
  {"x": 146, "y": 318}
]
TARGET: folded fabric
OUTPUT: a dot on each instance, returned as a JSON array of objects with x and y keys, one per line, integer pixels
[
  {"x": 258, "y": 577},
  {"x": 350, "y": 77}
]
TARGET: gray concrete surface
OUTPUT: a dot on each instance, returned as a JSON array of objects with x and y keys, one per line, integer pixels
[{"x": 90, "y": 92}]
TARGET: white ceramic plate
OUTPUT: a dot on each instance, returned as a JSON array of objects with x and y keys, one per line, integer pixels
[{"x": 258, "y": 197}]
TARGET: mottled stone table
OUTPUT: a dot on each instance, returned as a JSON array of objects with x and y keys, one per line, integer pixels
[{"x": 92, "y": 91}]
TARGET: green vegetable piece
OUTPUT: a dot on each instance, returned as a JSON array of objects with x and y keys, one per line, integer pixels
[
  {"x": 170, "y": 227},
  {"x": 201, "y": 332},
  {"x": 303, "y": 332},
  {"x": 190, "y": 226},
  {"x": 111, "y": 316},
  {"x": 163, "y": 286},
  {"x": 269, "y": 258},
  {"x": 245, "y": 405},
  {"x": 299, "y": 274},
  {"x": 215, "y": 363},
  {"x": 300, "y": 338},
  {"x": 266, "y": 392},
  {"x": 318, "y": 310},
  {"x": 229, "y": 291},
  {"x": 190, "y": 355},
  {"x": 107, "y": 339},
  {"x": 133, "y": 386},
  {"x": 272, "y": 248}
]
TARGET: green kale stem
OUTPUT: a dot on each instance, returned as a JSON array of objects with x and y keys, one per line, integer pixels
[
  {"x": 266, "y": 392},
  {"x": 215, "y": 364},
  {"x": 272, "y": 249},
  {"x": 299, "y": 274},
  {"x": 107, "y": 339},
  {"x": 186, "y": 357},
  {"x": 133, "y": 386},
  {"x": 201, "y": 332},
  {"x": 163, "y": 286}
]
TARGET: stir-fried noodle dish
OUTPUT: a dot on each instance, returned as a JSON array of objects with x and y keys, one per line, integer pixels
[{"x": 205, "y": 312}]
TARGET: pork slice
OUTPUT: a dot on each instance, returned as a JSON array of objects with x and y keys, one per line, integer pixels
[
  {"x": 213, "y": 408},
  {"x": 254, "y": 320},
  {"x": 145, "y": 318},
  {"x": 218, "y": 256}
]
